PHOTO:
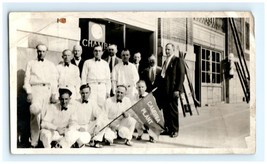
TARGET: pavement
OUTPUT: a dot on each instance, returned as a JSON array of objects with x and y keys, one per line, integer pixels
[{"x": 218, "y": 126}]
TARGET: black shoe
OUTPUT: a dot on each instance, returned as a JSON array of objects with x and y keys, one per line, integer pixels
[
  {"x": 75, "y": 145},
  {"x": 139, "y": 137},
  {"x": 55, "y": 144},
  {"x": 151, "y": 139},
  {"x": 174, "y": 134},
  {"x": 107, "y": 142}
]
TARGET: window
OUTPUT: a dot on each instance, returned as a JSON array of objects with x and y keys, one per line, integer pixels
[{"x": 211, "y": 67}]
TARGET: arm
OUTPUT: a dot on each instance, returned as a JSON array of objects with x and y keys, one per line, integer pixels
[
  {"x": 114, "y": 77},
  {"x": 84, "y": 72},
  {"x": 180, "y": 75},
  {"x": 27, "y": 85},
  {"x": 77, "y": 80},
  {"x": 108, "y": 80}
]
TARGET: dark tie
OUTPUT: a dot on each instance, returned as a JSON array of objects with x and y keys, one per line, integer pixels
[
  {"x": 40, "y": 60},
  {"x": 66, "y": 64},
  {"x": 152, "y": 78},
  {"x": 64, "y": 108},
  {"x": 96, "y": 59},
  {"x": 110, "y": 64},
  {"x": 85, "y": 101},
  {"x": 119, "y": 101},
  {"x": 140, "y": 97},
  {"x": 125, "y": 63}
]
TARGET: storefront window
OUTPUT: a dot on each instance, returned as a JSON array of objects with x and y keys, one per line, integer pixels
[{"x": 211, "y": 67}]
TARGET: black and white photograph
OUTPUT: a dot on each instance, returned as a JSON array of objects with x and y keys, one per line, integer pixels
[{"x": 132, "y": 82}]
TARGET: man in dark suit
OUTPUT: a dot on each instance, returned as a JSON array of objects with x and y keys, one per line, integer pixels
[
  {"x": 77, "y": 60},
  {"x": 112, "y": 59},
  {"x": 169, "y": 88},
  {"x": 151, "y": 73},
  {"x": 136, "y": 62}
]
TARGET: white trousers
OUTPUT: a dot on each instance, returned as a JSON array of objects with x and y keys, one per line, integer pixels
[
  {"x": 125, "y": 128},
  {"x": 98, "y": 93},
  {"x": 66, "y": 141},
  {"x": 40, "y": 98}
]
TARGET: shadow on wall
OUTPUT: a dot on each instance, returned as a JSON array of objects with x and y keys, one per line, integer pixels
[{"x": 23, "y": 113}]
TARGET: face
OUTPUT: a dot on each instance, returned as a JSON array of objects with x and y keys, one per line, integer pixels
[
  {"x": 77, "y": 51},
  {"x": 141, "y": 87},
  {"x": 137, "y": 58},
  {"x": 120, "y": 93},
  {"x": 152, "y": 61},
  {"x": 98, "y": 52},
  {"x": 125, "y": 56},
  {"x": 112, "y": 50},
  {"x": 64, "y": 100},
  {"x": 85, "y": 93},
  {"x": 169, "y": 50},
  {"x": 67, "y": 56},
  {"x": 41, "y": 51}
]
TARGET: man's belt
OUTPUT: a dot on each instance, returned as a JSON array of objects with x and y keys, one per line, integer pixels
[{"x": 41, "y": 84}]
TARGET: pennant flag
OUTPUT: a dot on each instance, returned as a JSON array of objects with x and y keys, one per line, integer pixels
[
  {"x": 61, "y": 20},
  {"x": 149, "y": 114}
]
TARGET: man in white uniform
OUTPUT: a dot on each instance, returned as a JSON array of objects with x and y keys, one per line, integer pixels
[
  {"x": 68, "y": 74},
  {"x": 40, "y": 84},
  {"x": 59, "y": 122},
  {"x": 90, "y": 119},
  {"x": 125, "y": 124},
  {"x": 96, "y": 73},
  {"x": 125, "y": 73},
  {"x": 141, "y": 87}
]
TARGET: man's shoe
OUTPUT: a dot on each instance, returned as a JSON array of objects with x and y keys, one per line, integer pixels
[
  {"x": 174, "y": 134},
  {"x": 128, "y": 143},
  {"x": 139, "y": 137},
  {"x": 151, "y": 139},
  {"x": 98, "y": 145}
]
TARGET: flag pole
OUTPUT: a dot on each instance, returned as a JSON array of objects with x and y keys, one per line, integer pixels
[{"x": 121, "y": 114}]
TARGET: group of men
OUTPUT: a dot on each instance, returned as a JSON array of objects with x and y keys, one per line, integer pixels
[{"x": 81, "y": 102}]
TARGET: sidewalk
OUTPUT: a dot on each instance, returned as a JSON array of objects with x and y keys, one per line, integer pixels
[{"x": 220, "y": 126}]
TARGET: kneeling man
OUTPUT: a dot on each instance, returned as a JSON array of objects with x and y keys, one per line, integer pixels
[
  {"x": 59, "y": 122},
  {"x": 125, "y": 124}
]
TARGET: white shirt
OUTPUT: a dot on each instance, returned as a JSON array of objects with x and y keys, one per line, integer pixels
[
  {"x": 87, "y": 112},
  {"x": 55, "y": 117},
  {"x": 77, "y": 61},
  {"x": 38, "y": 72},
  {"x": 68, "y": 75},
  {"x": 125, "y": 74},
  {"x": 114, "y": 109},
  {"x": 96, "y": 71}
]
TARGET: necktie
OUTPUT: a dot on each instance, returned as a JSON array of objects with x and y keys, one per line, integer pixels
[
  {"x": 152, "y": 78},
  {"x": 96, "y": 59},
  {"x": 40, "y": 60},
  {"x": 140, "y": 97},
  {"x": 64, "y": 108},
  {"x": 163, "y": 72},
  {"x": 111, "y": 64},
  {"x": 125, "y": 63},
  {"x": 66, "y": 64},
  {"x": 85, "y": 101},
  {"x": 119, "y": 101}
]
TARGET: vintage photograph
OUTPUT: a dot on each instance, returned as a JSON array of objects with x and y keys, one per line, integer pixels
[{"x": 132, "y": 83}]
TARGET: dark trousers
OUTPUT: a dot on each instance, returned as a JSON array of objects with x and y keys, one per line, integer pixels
[{"x": 171, "y": 115}]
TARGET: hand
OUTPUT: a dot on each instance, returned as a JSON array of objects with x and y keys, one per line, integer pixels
[
  {"x": 82, "y": 129},
  {"x": 125, "y": 115},
  {"x": 61, "y": 131},
  {"x": 176, "y": 94},
  {"x": 29, "y": 98},
  {"x": 107, "y": 95},
  {"x": 53, "y": 99}
]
